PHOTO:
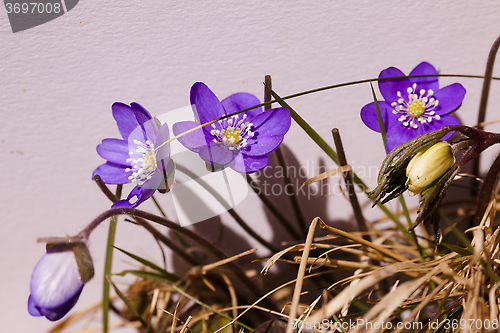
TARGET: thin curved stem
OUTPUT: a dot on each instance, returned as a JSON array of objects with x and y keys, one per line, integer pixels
[
  {"x": 158, "y": 235},
  {"x": 481, "y": 116},
  {"x": 487, "y": 82},
  {"x": 315, "y": 91},
  {"x": 175, "y": 227},
  {"x": 485, "y": 193}
]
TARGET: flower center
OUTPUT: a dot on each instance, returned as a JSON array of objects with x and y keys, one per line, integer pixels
[
  {"x": 419, "y": 108},
  {"x": 144, "y": 163},
  {"x": 232, "y": 136},
  {"x": 234, "y": 133}
]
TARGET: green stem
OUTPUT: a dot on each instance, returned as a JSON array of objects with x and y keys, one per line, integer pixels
[
  {"x": 107, "y": 265},
  {"x": 327, "y": 149},
  {"x": 412, "y": 231}
]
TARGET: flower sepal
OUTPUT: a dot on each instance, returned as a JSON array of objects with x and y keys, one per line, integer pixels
[{"x": 392, "y": 179}]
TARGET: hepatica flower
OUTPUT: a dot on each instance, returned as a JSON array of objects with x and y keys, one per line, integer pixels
[
  {"x": 241, "y": 141},
  {"x": 141, "y": 158},
  {"x": 413, "y": 105},
  {"x": 58, "y": 279}
]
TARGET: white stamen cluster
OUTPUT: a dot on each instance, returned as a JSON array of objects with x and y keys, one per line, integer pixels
[
  {"x": 234, "y": 132},
  {"x": 144, "y": 166},
  {"x": 419, "y": 108}
]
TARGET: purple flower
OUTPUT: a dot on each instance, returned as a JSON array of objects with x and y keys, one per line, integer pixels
[
  {"x": 58, "y": 280},
  {"x": 140, "y": 158},
  {"x": 241, "y": 141},
  {"x": 413, "y": 105}
]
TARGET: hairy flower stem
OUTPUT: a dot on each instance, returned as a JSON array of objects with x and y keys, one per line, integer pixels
[
  {"x": 158, "y": 235},
  {"x": 192, "y": 259},
  {"x": 175, "y": 227}
]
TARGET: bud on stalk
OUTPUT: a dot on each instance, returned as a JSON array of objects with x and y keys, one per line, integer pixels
[{"x": 427, "y": 166}]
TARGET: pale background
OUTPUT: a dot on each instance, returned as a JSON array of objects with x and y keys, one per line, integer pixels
[{"x": 58, "y": 82}]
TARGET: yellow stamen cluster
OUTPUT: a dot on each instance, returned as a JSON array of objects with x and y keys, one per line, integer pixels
[
  {"x": 233, "y": 133},
  {"x": 419, "y": 108},
  {"x": 143, "y": 166}
]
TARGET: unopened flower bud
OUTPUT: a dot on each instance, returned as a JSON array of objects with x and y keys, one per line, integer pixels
[
  {"x": 428, "y": 165},
  {"x": 58, "y": 280}
]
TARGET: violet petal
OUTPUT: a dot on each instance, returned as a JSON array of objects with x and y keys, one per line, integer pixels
[
  {"x": 55, "y": 279},
  {"x": 162, "y": 153},
  {"x": 32, "y": 309},
  {"x": 272, "y": 122},
  {"x": 241, "y": 101},
  {"x": 144, "y": 119},
  {"x": 115, "y": 151},
  {"x": 248, "y": 164},
  {"x": 217, "y": 154},
  {"x": 206, "y": 106},
  {"x": 54, "y": 314},
  {"x": 194, "y": 140},
  {"x": 141, "y": 193},
  {"x": 424, "y": 68},
  {"x": 390, "y": 88},
  {"x": 112, "y": 173},
  {"x": 258, "y": 146},
  {"x": 125, "y": 119},
  {"x": 449, "y": 98},
  {"x": 398, "y": 134},
  {"x": 370, "y": 118}
]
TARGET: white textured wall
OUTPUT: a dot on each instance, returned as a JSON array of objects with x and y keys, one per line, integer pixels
[{"x": 58, "y": 81}]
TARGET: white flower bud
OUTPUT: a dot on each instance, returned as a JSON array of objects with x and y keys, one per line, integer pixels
[{"x": 427, "y": 166}]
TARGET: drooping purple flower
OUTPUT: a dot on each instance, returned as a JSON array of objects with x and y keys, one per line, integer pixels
[
  {"x": 58, "y": 279},
  {"x": 140, "y": 158},
  {"x": 241, "y": 141},
  {"x": 413, "y": 105}
]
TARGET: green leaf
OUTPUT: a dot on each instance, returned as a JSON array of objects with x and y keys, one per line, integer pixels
[
  {"x": 379, "y": 115},
  {"x": 307, "y": 128},
  {"x": 127, "y": 303},
  {"x": 458, "y": 249},
  {"x": 166, "y": 275},
  {"x": 148, "y": 275}
]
